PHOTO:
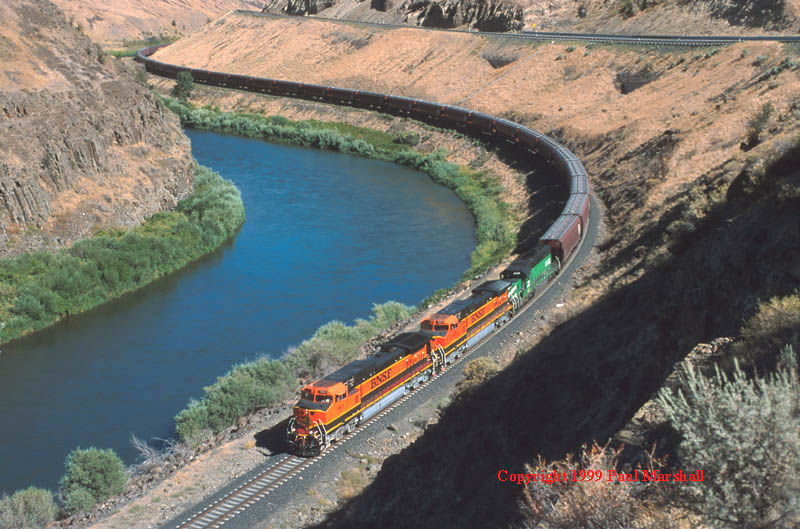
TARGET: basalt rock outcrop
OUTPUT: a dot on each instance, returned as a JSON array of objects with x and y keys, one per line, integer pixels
[
  {"x": 84, "y": 145},
  {"x": 483, "y": 15}
]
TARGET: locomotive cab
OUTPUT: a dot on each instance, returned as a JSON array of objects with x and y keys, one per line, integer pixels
[
  {"x": 439, "y": 324},
  {"x": 313, "y": 417}
]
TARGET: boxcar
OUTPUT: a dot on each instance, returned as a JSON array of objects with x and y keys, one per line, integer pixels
[
  {"x": 313, "y": 91},
  {"x": 482, "y": 122},
  {"x": 578, "y": 204},
  {"x": 406, "y": 104},
  {"x": 563, "y": 236},
  {"x": 507, "y": 129},
  {"x": 340, "y": 94},
  {"x": 455, "y": 114},
  {"x": 428, "y": 108},
  {"x": 369, "y": 99},
  {"x": 528, "y": 138},
  {"x": 217, "y": 78}
]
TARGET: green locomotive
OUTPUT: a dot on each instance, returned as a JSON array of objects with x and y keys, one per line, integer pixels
[{"x": 530, "y": 271}]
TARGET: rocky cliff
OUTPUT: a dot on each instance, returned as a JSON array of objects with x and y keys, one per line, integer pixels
[
  {"x": 483, "y": 15},
  {"x": 682, "y": 17},
  {"x": 83, "y": 144}
]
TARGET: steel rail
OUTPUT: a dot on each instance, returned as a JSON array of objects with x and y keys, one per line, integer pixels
[
  {"x": 216, "y": 513},
  {"x": 607, "y": 38}
]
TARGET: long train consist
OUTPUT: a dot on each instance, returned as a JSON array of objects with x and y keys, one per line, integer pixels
[{"x": 335, "y": 405}]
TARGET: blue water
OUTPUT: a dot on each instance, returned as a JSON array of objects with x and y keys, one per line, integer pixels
[{"x": 327, "y": 235}]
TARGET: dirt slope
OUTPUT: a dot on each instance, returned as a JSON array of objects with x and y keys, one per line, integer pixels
[
  {"x": 83, "y": 145},
  {"x": 112, "y": 22}
]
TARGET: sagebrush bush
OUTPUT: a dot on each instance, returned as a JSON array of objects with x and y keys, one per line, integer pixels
[
  {"x": 335, "y": 344},
  {"x": 245, "y": 389},
  {"x": 476, "y": 372},
  {"x": 39, "y": 288},
  {"x": 31, "y": 508},
  {"x": 745, "y": 435},
  {"x": 92, "y": 475},
  {"x": 757, "y": 124},
  {"x": 775, "y": 323},
  {"x": 556, "y": 500}
]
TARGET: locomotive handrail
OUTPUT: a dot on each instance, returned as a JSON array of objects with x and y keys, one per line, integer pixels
[{"x": 567, "y": 230}]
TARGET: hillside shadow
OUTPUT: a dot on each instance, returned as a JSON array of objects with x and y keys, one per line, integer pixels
[{"x": 587, "y": 378}]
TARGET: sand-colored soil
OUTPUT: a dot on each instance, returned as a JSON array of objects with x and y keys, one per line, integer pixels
[
  {"x": 699, "y": 100},
  {"x": 111, "y": 22}
]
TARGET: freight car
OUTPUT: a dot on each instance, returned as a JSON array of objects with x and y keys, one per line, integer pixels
[{"x": 334, "y": 405}]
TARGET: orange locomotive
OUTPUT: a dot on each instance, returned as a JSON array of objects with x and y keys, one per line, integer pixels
[{"x": 335, "y": 405}]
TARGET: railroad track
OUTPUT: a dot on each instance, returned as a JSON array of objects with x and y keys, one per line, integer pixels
[
  {"x": 218, "y": 512},
  {"x": 608, "y": 38}
]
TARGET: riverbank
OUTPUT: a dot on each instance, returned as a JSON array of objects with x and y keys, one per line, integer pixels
[
  {"x": 264, "y": 383},
  {"x": 42, "y": 288},
  {"x": 206, "y": 432},
  {"x": 478, "y": 189}
]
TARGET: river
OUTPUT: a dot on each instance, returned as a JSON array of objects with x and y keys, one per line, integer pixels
[{"x": 327, "y": 235}]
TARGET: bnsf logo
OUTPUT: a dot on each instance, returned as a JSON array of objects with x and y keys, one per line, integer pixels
[
  {"x": 478, "y": 315},
  {"x": 380, "y": 379}
]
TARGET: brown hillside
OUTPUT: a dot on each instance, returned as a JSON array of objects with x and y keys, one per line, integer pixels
[
  {"x": 680, "y": 17},
  {"x": 84, "y": 146},
  {"x": 701, "y": 225},
  {"x": 110, "y": 23}
]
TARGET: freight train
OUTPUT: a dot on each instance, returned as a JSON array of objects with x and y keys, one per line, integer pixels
[{"x": 331, "y": 407}]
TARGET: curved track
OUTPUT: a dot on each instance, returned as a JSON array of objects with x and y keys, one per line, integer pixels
[
  {"x": 224, "y": 509},
  {"x": 608, "y": 38},
  {"x": 566, "y": 234}
]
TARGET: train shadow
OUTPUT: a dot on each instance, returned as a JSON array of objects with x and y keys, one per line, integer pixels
[{"x": 273, "y": 439}]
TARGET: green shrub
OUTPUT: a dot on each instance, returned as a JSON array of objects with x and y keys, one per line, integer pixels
[
  {"x": 760, "y": 60},
  {"x": 92, "y": 476},
  {"x": 184, "y": 84},
  {"x": 31, "y": 508},
  {"x": 626, "y": 8},
  {"x": 78, "y": 500},
  {"x": 745, "y": 435},
  {"x": 39, "y": 288},
  {"x": 264, "y": 382},
  {"x": 407, "y": 138},
  {"x": 482, "y": 194}
]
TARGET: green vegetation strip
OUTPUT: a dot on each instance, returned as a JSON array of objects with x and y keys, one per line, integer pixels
[
  {"x": 264, "y": 382},
  {"x": 482, "y": 193},
  {"x": 40, "y": 288},
  {"x": 130, "y": 47}
]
